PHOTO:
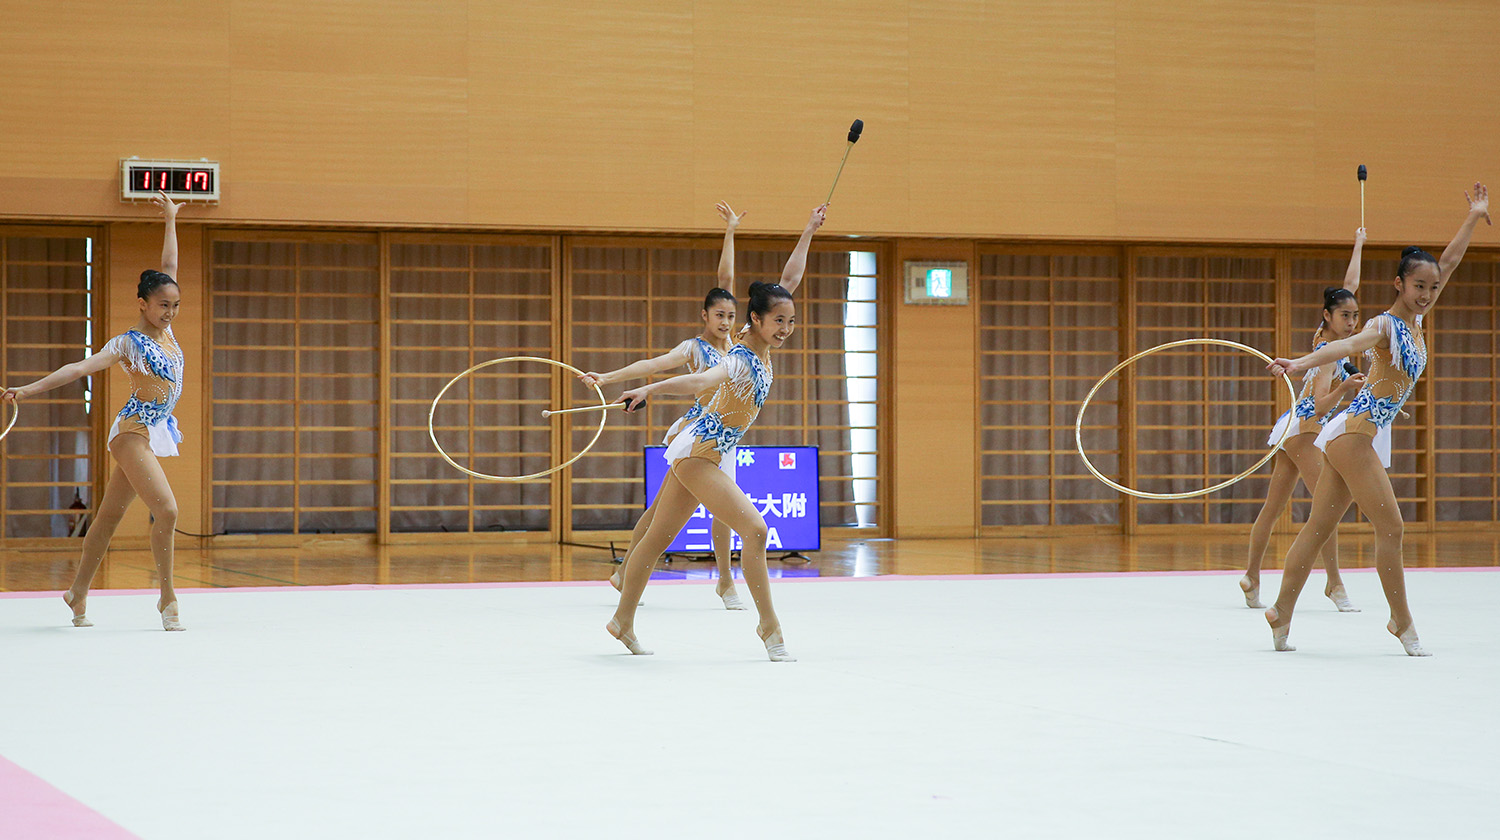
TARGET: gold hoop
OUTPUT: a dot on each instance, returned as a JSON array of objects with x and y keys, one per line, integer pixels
[
  {"x": 15, "y": 412},
  {"x": 432, "y": 433},
  {"x": 1078, "y": 426}
]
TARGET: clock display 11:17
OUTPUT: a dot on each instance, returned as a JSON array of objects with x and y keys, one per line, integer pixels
[{"x": 173, "y": 180}]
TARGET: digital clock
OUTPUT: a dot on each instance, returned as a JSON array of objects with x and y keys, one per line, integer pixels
[{"x": 183, "y": 180}]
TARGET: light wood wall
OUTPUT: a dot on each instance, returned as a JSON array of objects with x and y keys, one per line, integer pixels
[
  {"x": 933, "y": 415},
  {"x": 1172, "y": 120}
]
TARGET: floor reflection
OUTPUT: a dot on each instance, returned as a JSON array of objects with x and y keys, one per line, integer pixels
[{"x": 344, "y": 563}]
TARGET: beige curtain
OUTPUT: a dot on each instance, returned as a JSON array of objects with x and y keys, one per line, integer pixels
[
  {"x": 616, "y": 298},
  {"x": 1462, "y": 372},
  {"x": 1049, "y": 329},
  {"x": 455, "y": 304},
  {"x": 295, "y": 386},
  {"x": 46, "y": 325}
]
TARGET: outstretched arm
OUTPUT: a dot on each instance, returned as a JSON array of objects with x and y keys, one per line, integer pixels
[
  {"x": 684, "y": 385},
  {"x": 636, "y": 370},
  {"x": 63, "y": 375},
  {"x": 726, "y": 256},
  {"x": 169, "y": 242},
  {"x": 791, "y": 276},
  {"x": 1351, "y": 275},
  {"x": 1332, "y": 351},
  {"x": 1479, "y": 208}
]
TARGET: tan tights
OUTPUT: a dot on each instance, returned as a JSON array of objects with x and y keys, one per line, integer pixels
[
  {"x": 137, "y": 473},
  {"x": 1355, "y": 476},
  {"x": 695, "y": 480},
  {"x": 721, "y": 537},
  {"x": 1298, "y": 455}
]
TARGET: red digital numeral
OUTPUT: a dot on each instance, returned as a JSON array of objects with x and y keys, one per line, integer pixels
[{"x": 200, "y": 179}]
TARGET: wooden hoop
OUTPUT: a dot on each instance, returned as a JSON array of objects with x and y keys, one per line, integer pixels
[
  {"x": 432, "y": 433},
  {"x": 1078, "y": 426}
]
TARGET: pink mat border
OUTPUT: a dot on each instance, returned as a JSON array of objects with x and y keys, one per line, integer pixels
[
  {"x": 35, "y": 810},
  {"x": 532, "y": 584}
]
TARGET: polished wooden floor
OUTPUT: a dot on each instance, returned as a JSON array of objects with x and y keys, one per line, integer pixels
[{"x": 352, "y": 563}]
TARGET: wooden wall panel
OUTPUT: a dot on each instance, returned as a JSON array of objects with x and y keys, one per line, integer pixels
[
  {"x": 88, "y": 83},
  {"x": 1398, "y": 88},
  {"x": 1215, "y": 119},
  {"x": 296, "y": 381},
  {"x": 1013, "y": 124},
  {"x": 1173, "y": 121},
  {"x": 582, "y": 105},
  {"x": 775, "y": 87},
  {"x": 338, "y": 38},
  {"x": 934, "y": 410},
  {"x": 394, "y": 146}
]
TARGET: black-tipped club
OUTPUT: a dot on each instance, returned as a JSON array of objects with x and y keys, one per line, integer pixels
[
  {"x": 854, "y": 130},
  {"x": 1363, "y": 172}
]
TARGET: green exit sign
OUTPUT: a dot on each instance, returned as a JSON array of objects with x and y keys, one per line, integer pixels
[
  {"x": 934, "y": 282},
  {"x": 940, "y": 282}
]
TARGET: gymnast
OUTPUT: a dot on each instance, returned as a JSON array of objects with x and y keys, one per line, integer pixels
[
  {"x": 697, "y": 354},
  {"x": 1324, "y": 389},
  {"x": 715, "y": 320},
  {"x": 739, "y": 386},
  {"x": 1353, "y": 469},
  {"x": 144, "y": 430}
]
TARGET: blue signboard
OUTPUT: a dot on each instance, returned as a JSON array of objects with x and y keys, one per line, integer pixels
[{"x": 782, "y": 483}]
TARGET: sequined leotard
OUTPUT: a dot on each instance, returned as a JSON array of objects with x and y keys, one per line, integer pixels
[
  {"x": 1304, "y": 412},
  {"x": 731, "y": 409},
  {"x": 155, "y": 370},
  {"x": 1394, "y": 371}
]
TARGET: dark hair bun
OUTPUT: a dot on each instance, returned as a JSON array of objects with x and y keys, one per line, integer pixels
[
  {"x": 763, "y": 296},
  {"x": 151, "y": 280},
  {"x": 715, "y": 295},
  {"x": 1411, "y": 256}
]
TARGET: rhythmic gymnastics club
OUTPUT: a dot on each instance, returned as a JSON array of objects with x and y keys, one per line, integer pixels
[
  {"x": 854, "y": 132},
  {"x": 1363, "y": 174},
  {"x": 634, "y": 406}
]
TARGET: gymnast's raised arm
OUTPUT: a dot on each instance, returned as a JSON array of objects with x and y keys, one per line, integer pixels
[
  {"x": 169, "y": 240},
  {"x": 796, "y": 266},
  {"x": 1351, "y": 275},
  {"x": 1479, "y": 208},
  {"x": 726, "y": 256}
]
